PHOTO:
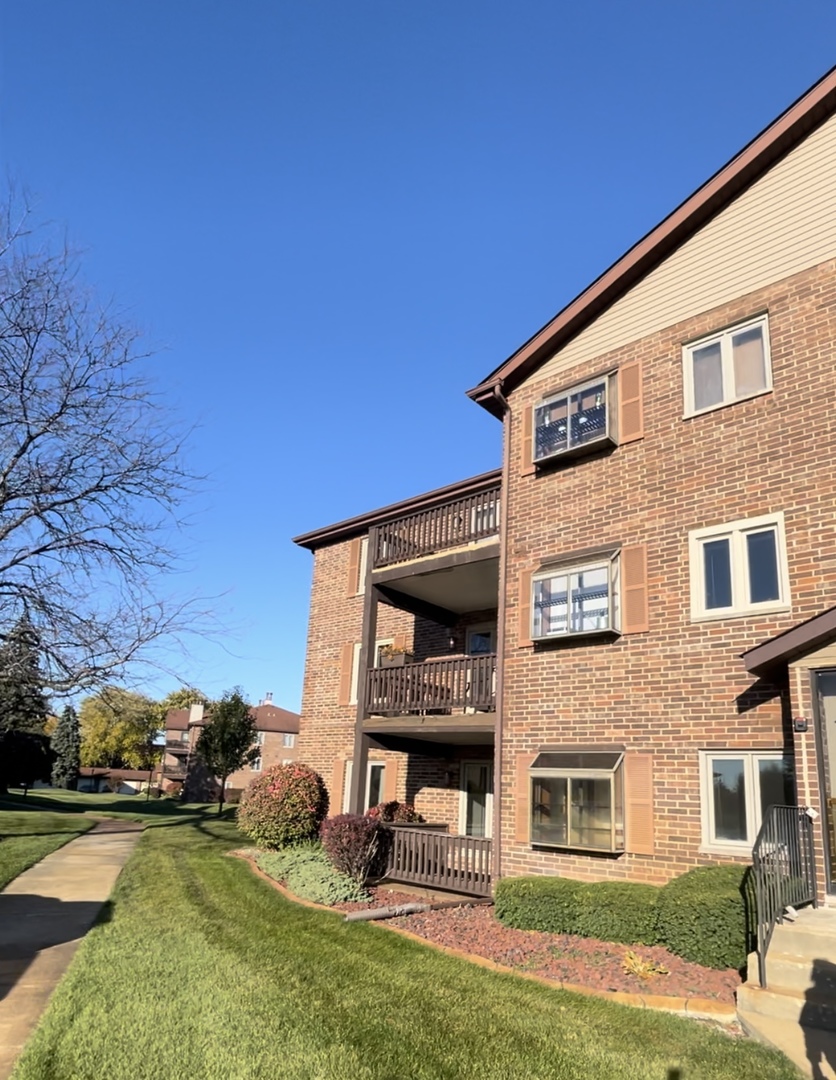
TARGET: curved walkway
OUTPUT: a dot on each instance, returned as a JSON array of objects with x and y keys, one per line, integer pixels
[{"x": 44, "y": 914}]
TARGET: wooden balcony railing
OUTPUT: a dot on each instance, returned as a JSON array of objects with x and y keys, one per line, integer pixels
[
  {"x": 473, "y": 517},
  {"x": 174, "y": 746},
  {"x": 176, "y": 772},
  {"x": 426, "y": 857},
  {"x": 434, "y": 686}
]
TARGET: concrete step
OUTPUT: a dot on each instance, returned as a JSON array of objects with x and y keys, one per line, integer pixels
[
  {"x": 788, "y": 971},
  {"x": 813, "y": 1008},
  {"x": 808, "y": 1048},
  {"x": 811, "y": 935}
]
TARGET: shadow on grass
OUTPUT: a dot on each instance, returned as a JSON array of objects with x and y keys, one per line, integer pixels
[{"x": 30, "y": 923}]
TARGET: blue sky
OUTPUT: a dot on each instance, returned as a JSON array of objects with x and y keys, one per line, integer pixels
[{"x": 332, "y": 219}]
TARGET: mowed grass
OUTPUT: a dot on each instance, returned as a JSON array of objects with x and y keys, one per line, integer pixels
[
  {"x": 204, "y": 970},
  {"x": 27, "y": 836},
  {"x": 130, "y": 807}
]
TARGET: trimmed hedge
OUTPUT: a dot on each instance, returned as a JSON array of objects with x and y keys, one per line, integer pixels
[
  {"x": 618, "y": 911},
  {"x": 308, "y": 874},
  {"x": 705, "y": 916},
  {"x": 283, "y": 806},
  {"x": 538, "y": 903}
]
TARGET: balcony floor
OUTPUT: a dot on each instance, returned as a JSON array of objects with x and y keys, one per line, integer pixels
[{"x": 464, "y": 729}]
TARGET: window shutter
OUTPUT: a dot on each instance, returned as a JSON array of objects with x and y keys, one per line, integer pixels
[
  {"x": 630, "y": 405},
  {"x": 634, "y": 614},
  {"x": 527, "y": 466},
  {"x": 522, "y": 795},
  {"x": 399, "y": 642},
  {"x": 335, "y": 802},
  {"x": 390, "y": 780},
  {"x": 346, "y": 666},
  {"x": 353, "y": 567},
  {"x": 524, "y": 623},
  {"x": 638, "y": 785}
]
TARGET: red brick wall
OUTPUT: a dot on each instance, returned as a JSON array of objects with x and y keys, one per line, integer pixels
[{"x": 680, "y": 687}]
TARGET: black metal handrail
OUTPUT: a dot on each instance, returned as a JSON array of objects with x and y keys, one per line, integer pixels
[{"x": 784, "y": 868}]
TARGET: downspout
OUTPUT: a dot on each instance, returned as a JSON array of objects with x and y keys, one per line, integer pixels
[{"x": 500, "y": 630}]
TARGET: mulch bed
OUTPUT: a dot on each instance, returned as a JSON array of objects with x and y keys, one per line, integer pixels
[{"x": 562, "y": 957}]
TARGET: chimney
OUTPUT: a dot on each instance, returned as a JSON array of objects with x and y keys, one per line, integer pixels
[
  {"x": 196, "y": 712},
  {"x": 268, "y": 699}
]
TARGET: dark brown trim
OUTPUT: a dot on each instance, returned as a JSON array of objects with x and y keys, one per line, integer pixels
[
  {"x": 792, "y": 643},
  {"x": 345, "y": 530},
  {"x": 423, "y": 608},
  {"x": 753, "y": 161},
  {"x": 431, "y": 563}
]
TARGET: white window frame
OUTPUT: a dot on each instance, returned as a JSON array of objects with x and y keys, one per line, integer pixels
[
  {"x": 363, "y": 563},
  {"x": 736, "y": 532},
  {"x": 615, "y": 775},
  {"x": 288, "y": 740},
  {"x": 259, "y": 738},
  {"x": 355, "y": 665},
  {"x": 255, "y": 766},
  {"x": 724, "y": 337},
  {"x": 488, "y": 797},
  {"x": 347, "y": 783},
  {"x": 610, "y": 431},
  {"x": 611, "y": 565},
  {"x": 721, "y": 846}
]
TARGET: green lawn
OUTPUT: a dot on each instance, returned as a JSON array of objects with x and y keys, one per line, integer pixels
[
  {"x": 131, "y": 807},
  {"x": 27, "y": 836},
  {"x": 204, "y": 971}
]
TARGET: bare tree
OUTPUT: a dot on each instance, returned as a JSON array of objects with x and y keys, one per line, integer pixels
[{"x": 91, "y": 471}]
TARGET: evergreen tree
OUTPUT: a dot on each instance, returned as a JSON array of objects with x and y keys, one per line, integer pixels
[
  {"x": 23, "y": 706},
  {"x": 228, "y": 742},
  {"x": 66, "y": 745}
]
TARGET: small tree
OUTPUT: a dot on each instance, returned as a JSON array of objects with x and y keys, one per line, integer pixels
[
  {"x": 66, "y": 745},
  {"x": 227, "y": 743}
]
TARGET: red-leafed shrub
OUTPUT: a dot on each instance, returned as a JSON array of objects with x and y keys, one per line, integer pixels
[
  {"x": 284, "y": 806},
  {"x": 351, "y": 843},
  {"x": 403, "y": 813}
]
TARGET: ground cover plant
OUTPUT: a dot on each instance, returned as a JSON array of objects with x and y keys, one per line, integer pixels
[
  {"x": 308, "y": 873},
  {"x": 26, "y": 837},
  {"x": 226, "y": 978}
]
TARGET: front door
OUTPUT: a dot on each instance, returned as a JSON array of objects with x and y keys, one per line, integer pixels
[
  {"x": 476, "y": 806},
  {"x": 825, "y": 685}
]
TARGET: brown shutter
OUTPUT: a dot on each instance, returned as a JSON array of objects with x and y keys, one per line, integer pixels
[
  {"x": 638, "y": 811},
  {"x": 399, "y": 642},
  {"x": 527, "y": 466},
  {"x": 346, "y": 665},
  {"x": 634, "y": 614},
  {"x": 630, "y": 405},
  {"x": 524, "y": 623},
  {"x": 390, "y": 780},
  {"x": 522, "y": 799},
  {"x": 353, "y": 567},
  {"x": 335, "y": 803}
]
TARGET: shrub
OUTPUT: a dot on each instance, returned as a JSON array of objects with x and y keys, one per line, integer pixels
[
  {"x": 351, "y": 843},
  {"x": 538, "y": 903},
  {"x": 308, "y": 874},
  {"x": 618, "y": 911},
  {"x": 402, "y": 813},
  {"x": 704, "y": 916},
  {"x": 284, "y": 806}
]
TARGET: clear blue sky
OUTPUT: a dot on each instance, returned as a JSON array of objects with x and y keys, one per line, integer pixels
[{"x": 334, "y": 218}]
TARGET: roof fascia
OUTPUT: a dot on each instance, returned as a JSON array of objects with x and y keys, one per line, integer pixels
[
  {"x": 752, "y": 162},
  {"x": 356, "y": 526}
]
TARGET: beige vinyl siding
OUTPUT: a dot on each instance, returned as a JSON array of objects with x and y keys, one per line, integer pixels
[
  {"x": 783, "y": 224},
  {"x": 825, "y": 656}
]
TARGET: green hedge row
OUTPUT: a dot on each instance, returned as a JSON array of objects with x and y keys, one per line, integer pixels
[{"x": 705, "y": 916}]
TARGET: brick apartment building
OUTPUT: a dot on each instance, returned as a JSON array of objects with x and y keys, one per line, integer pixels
[
  {"x": 278, "y": 731},
  {"x": 613, "y": 654}
]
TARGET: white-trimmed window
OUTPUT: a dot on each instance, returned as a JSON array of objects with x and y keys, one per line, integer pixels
[
  {"x": 737, "y": 787},
  {"x": 729, "y": 366},
  {"x": 739, "y": 568},
  {"x": 355, "y": 665},
  {"x": 288, "y": 739},
  {"x": 259, "y": 738},
  {"x": 374, "y": 785},
  {"x": 363, "y": 563},
  {"x": 577, "y": 800},
  {"x": 256, "y": 765},
  {"x": 579, "y": 599},
  {"x": 583, "y": 415}
]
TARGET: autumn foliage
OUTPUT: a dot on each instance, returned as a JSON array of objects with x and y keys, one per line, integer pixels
[{"x": 284, "y": 806}]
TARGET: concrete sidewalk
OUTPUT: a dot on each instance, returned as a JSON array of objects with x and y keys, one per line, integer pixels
[{"x": 44, "y": 913}]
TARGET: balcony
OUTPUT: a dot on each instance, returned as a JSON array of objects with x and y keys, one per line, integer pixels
[
  {"x": 434, "y": 687},
  {"x": 175, "y": 746},
  {"x": 454, "y": 524},
  {"x": 175, "y": 772},
  {"x": 426, "y": 857}
]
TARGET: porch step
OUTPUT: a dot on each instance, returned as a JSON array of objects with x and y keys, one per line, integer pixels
[
  {"x": 792, "y": 973},
  {"x": 814, "y": 1008},
  {"x": 808, "y": 1048},
  {"x": 812, "y": 935}
]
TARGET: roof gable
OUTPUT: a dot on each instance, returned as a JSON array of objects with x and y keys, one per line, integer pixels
[{"x": 753, "y": 162}]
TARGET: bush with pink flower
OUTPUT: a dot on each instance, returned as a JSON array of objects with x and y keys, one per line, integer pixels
[
  {"x": 284, "y": 806},
  {"x": 401, "y": 813}
]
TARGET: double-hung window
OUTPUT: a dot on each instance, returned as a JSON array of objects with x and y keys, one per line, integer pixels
[
  {"x": 575, "y": 600},
  {"x": 739, "y": 568},
  {"x": 288, "y": 739},
  {"x": 577, "y": 800},
  {"x": 573, "y": 419},
  {"x": 726, "y": 367},
  {"x": 737, "y": 788}
]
